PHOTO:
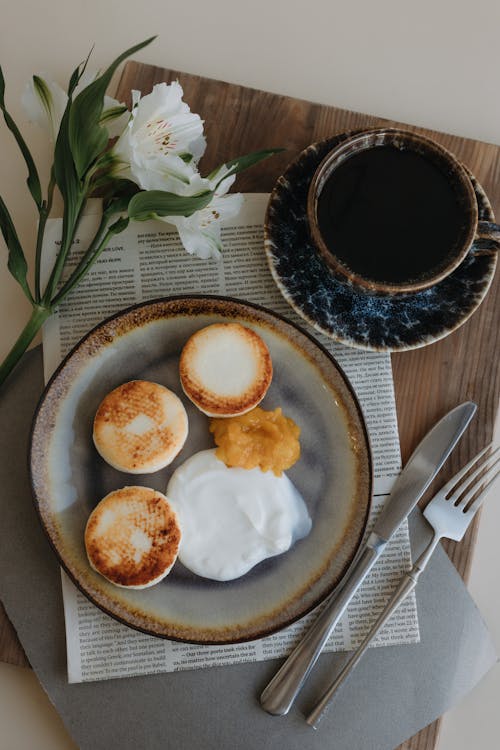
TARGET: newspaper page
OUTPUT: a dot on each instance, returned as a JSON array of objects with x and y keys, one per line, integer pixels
[{"x": 147, "y": 261}]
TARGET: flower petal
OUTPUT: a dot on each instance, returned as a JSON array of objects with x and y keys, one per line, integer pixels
[
  {"x": 163, "y": 141},
  {"x": 200, "y": 232},
  {"x": 197, "y": 148},
  {"x": 117, "y": 125},
  {"x": 44, "y": 104},
  {"x": 223, "y": 207},
  {"x": 170, "y": 173},
  {"x": 164, "y": 101},
  {"x": 202, "y": 244},
  {"x": 217, "y": 177}
]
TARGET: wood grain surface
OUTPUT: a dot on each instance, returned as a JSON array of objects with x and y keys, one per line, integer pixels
[{"x": 428, "y": 381}]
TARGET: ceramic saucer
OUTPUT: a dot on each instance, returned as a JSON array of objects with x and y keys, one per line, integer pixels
[{"x": 339, "y": 310}]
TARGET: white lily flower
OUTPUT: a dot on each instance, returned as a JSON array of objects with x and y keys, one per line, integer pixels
[
  {"x": 161, "y": 146},
  {"x": 44, "y": 102},
  {"x": 200, "y": 233}
]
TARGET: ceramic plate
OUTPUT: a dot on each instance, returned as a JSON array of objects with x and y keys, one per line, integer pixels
[
  {"x": 333, "y": 473},
  {"x": 337, "y": 309}
]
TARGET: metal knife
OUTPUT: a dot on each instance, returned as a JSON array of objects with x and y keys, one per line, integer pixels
[{"x": 418, "y": 473}]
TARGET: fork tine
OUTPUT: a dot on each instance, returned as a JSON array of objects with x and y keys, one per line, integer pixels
[
  {"x": 482, "y": 466},
  {"x": 476, "y": 482},
  {"x": 453, "y": 483},
  {"x": 484, "y": 489}
]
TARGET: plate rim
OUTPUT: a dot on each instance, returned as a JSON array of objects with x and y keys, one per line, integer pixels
[{"x": 263, "y": 632}]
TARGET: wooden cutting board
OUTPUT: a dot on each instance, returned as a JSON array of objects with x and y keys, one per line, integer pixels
[{"x": 428, "y": 381}]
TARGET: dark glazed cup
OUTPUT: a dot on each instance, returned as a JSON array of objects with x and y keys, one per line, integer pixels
[{"x": 471, "y": 228}]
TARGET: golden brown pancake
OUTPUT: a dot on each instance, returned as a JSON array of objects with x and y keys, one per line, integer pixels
[
  {"x": 132, "y": 537},
  {"x": 225, "y": 369},
  {"x": 140, "y": 427}
]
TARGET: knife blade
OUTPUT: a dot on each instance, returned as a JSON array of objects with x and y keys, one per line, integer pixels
[{"x": 419, "y": 471}]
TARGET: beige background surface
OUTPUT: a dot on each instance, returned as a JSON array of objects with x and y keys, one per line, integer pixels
[{"x": 432, "y": 64}]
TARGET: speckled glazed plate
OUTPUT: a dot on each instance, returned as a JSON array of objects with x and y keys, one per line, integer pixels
[
  {"x": 333, "y": 473},
  {"x": 339, "y": 310}
]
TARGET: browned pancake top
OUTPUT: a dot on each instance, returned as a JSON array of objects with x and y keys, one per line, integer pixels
[
  {"x": 132, "y": 536},
  {"x": 159, "y": 434}
]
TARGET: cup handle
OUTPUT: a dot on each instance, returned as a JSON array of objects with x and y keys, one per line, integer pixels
[{"x": 487, "y": 239}]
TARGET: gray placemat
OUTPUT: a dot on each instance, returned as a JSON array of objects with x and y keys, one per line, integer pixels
[{"x": 394, "y": 692}]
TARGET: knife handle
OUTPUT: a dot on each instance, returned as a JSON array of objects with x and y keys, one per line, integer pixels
[
  {"x": 280, "y": 693},
  {"x": 406, "y": 585}
]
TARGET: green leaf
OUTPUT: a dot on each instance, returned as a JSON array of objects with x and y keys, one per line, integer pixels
[
  {"x": 77, "y": 74},
  {"x": 74, "y": 195},
  {"x": 64, "y": 167},
  {"x": 73, "y": 81},
  {"x": 150, "y": 204},
  {"x": 244, "y": 162},
  {"x": 87, "y": 137},
  {"x": 16, "y": 262},
  {"x": 117, "y": 196},
  {"x": 33, "y": 180}
]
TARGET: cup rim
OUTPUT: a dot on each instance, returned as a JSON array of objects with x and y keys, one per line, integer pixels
[{"x": 340, "y": 153}]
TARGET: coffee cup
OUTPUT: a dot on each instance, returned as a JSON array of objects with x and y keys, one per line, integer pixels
[{"x": 393, "y": 212}]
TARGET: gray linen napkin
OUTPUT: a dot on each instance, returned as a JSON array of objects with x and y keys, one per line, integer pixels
[{"x": 394, "y": 692}]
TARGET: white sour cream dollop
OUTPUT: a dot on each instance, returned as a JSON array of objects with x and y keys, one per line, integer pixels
[{"x": 233, "y": 518}]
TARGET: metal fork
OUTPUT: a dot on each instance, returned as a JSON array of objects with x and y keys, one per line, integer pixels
[{"x": 449, "y": 513}]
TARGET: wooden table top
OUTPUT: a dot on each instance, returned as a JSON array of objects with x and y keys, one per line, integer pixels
[{"x": 429, "y": 381}]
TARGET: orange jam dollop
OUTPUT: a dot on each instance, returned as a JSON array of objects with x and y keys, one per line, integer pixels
[{"x": 266, "y": 439}]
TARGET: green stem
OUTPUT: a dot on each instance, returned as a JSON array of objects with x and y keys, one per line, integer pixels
[
  {"x": 85, "y": 264},
  {"x": 44, "y": 215},
  {"x": 70, "y": 225},
  {"x": 39, "y": 315}
]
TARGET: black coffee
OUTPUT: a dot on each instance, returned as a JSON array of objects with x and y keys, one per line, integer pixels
[{"x": 389, "y": 214}]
